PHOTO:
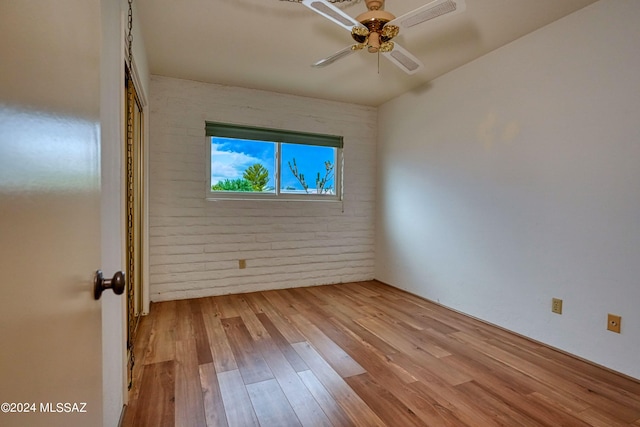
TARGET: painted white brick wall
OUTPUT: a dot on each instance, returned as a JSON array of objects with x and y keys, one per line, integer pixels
[{"x": 195, "y": 244}]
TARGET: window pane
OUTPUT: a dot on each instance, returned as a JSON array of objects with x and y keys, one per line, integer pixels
[
  {"x": 241, "y": 165},
  {"x": 308, "y": 169}
]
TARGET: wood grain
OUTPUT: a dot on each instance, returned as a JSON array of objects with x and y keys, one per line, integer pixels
[
  {"x": 154, "y": 406},
  {"x": 212, "y": 397},
  {"x": 236, "y": 401},
  {"x": 271, "y": 405},
  {"x": 357, "y": 354}
]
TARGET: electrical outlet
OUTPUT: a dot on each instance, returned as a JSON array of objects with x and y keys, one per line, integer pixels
[
  {"x": 556, "y": 305},
  {"x": 242, "y": 263},
  {"x": 614, "y": 323}
]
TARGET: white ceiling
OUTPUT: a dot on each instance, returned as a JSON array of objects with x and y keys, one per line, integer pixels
[{"x": 270, "y": 44}]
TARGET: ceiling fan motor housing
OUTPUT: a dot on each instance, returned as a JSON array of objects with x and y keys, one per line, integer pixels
[
  {"x": 375, "y": 4},
  {"x": 374, "y": 21}
]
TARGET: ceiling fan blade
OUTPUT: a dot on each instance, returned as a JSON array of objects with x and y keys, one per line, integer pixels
[
  {"x": 403, "y": 59},
  {"x": 332, "y": 13},
  {"x": 333, "y": 58},
  {"x": 427, "y": 12}
]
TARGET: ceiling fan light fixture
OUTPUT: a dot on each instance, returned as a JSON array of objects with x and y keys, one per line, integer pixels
[
  {"x": 360, "y": 34},
  {"x": 389, "y": 31},
  {"x": 386, "y": 47},
  {"x": 375, "y": 22}
]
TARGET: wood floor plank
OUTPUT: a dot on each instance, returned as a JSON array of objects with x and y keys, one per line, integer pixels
[
  {"x": 279, "y": 300},
  {"x": 403, "y": 310},
  {"x": 396, "y": 380},
  {"x": 333, "y": 354},
  {"x": 236, "y": 401},
  {"x": 357, "y": 354},
  {"x": 383, "y": 369},
  {"x": 589, "y": 416},
  {"x": 140, "y": 352},
  {"x": 189, "y": 405},
  {"x": 162, "y": 337},
  {"x": 412, "y": 333},
  {"x": 619, "y": 382},
  {"x": 612, "y": 399},
  {"x": 251, "y": 322},
  {"x": 221, "y": 353},
  {"x": 451, "y": 408},
  {"x": 398, "y": 312},
  {"x": 540, "y": 373},
  {"x": 423, "y": 309},
  {"x": 363, "y": 288},
  {"x": 209, "y": 305},
  {"x": 285, "y": 346},
  {"x": 508, "y": 388},
  {"x": 457, "y": 405},
  {"x": 383, "y": 402},
  {"x": 184, "y": 320},
  {"x": 271, "y": 405},
  {"x": 512, "y": 385},
  {"x": 412, "y": 349},
  {"x": 596, "y": 418},
  {"x": 502, "y": 412},
  {"x": 359, "y": 412},
  {"x": 308, "y": 411},
  {"x": 332, "y": 410},
  {"x": 250, "y": 362},
  {"x": 203, "y": 347},
  {"x": 212, "y": 397},
  {"x": 302, "y": 296},
  {"x": 366, "y": 351},
  {"x": 155, "y": 405},
  {"x": 226, "y": 306},
  {"x": 345, "y": 315},
  {"x": 261, "y": 304},
  {"x": 473, "y": 363}
]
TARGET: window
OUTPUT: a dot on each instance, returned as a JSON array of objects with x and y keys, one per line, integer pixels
[{"x": 258, "y": 163}]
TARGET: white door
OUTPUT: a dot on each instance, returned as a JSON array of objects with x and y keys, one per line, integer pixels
[{"x": 50, "y": 325}]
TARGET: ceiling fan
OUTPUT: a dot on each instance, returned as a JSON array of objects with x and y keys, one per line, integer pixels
[{"x": 376, "y": 28}]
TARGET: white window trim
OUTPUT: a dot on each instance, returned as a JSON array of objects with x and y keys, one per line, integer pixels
[{"x": 270, "y": 135}]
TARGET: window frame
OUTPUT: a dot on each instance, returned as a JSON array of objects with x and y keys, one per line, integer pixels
[{"x": 278, "y": 137}]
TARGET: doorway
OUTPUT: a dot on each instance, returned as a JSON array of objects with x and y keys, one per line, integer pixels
[{"x": 134, "y": 213}]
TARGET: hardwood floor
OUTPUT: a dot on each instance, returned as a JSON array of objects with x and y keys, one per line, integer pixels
[{"x": 358, "y": 354}]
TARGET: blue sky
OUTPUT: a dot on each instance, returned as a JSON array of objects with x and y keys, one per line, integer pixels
[{"x": 230, "y": 157}]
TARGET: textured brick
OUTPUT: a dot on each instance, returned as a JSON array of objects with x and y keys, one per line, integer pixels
[{"x": 195, "y": 244}]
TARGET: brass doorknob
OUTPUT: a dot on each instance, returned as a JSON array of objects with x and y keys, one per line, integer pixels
[{"x": 116, "y": 284}]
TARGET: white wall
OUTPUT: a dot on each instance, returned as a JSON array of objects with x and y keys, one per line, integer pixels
[
  {"x": 515, "y": 179},
  {"x": 195, "y": 244}
]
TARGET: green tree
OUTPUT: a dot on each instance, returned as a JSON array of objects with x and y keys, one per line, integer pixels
[
  {"x": 321, "y": 181},
  {"x": 257, "y": 175},
  {"x": 239, "y": 184}
]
